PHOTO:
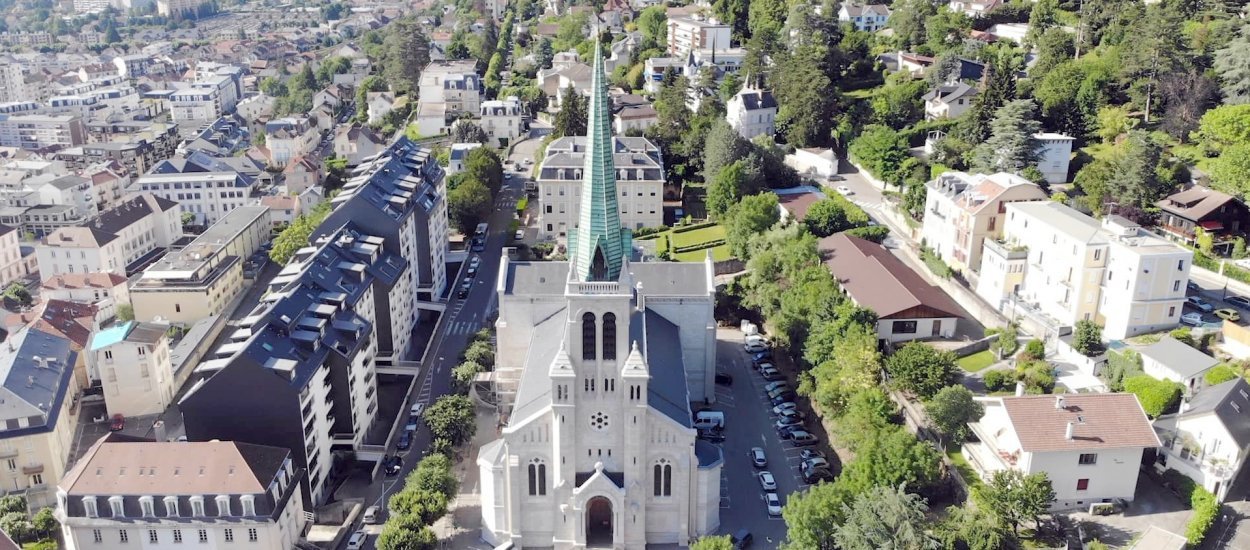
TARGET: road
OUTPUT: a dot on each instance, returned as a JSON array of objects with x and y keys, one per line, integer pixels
[{"x": 463, "y": 318}]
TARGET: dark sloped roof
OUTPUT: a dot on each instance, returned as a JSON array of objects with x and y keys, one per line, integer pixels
[
  {"x": 666, "y": 392},
  {"x": 1230, "y": 402},
  {"x": 1195, "y": 203},
  {"x": 879, "y": 281},
  {"x": 757, "y": 99}
]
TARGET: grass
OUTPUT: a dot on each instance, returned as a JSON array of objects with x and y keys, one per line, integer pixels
[
  {"x": 977, "y": 361},
  {"x": 691, "y": 238},
  {"x": 965, "y": 470}
]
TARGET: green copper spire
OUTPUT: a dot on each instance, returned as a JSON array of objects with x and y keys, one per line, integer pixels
[{"x": 597, "y": 247}]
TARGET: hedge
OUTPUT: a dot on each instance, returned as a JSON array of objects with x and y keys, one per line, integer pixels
[
  {"x": 874, "y": 233},
  {"x": 1205, "y": 509},
  {"x": 700, "y": 246},
  {"x": 1157, "y": 396},
  {"x": 692, "y": 227}
]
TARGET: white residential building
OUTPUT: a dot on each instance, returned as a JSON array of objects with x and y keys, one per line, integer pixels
[
  {"x": 113, "y": 240},
  {"x": 208, "y": 195},
  {"x": 1054, "y": 153},
  {"x": 131, "y": 361},
  {"x": 639, "y": 178},
  {"x": 1171, "y": 359},
  {"x": 195, "y": 103},
  {"x": 103, "y": 291},
  {"x": 39, "y": 418},
  {"x": 950, "y": 100},
  {"x": 126, "y": 493},
  {"x": 752, "y": 112},
  {"x": 453, "y": 83},
  {"x": 963, "y": 210},
  {"x": 378, "y": 105},
  {"x": 289, "y": 138},
  {"x": 456, "y": 156},
  {"x": 12, "y": 81},
  {"x": 1209, "y": 439},
  {"x": 975, "y": 8},
  {"x": 40, "y": 131},
  {"x": 503, "y": 120},
  {"x": 696, "y": 32},
  {"x": 1089, "y": 445},
  {"x": 813, "y": 161},
  {"x": 1067, "y": 267},
  {"x": 12, "y": 267},
  {"x": 867, "y": 18}
]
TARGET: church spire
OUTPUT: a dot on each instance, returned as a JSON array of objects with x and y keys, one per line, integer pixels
[{"x": 598, "y": 245}]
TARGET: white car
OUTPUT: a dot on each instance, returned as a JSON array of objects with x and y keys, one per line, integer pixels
[
  {"x": 1192, "y": 319},
  {"x": 787, "y": 406},
  {"x": 767, "y": 481},
  {"x": 774, "y": 504},
  {"x": 845, "y": 191},
  {"x": 357, "y": 541},
  {"x": 1200, "y": 304},
  {"x": 753, "y": 347}
]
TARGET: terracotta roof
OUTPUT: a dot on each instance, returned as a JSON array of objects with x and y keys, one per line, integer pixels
[
  {"x": 115, "y": 467},
  {"x": 1100, "y": 421},
  {"x": 1194, "y": 203},
  {"x": 797, "y": 204},
  {"x": 84, "y": 280},
  {"x": 877, "y": 280},
  {"x": 279, "y": 202},
  {"x": 70, "y": 320}
]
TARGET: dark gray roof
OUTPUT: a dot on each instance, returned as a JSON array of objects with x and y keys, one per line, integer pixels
[
  {"x": 948, "y": 92},
  {"x": 709, "y": 455},
  {"x": 536, "y": 278},
  {"x": 68, "y": 182},
  {"x": 666, "y": 392},
  {"x": 36, "y": 368},
  {"x": 118, "y": 218},
  {"x": 671, "y": 278},
  {"x": 1179, "y": 357},
  {"x": 757, "y": 99},
  {"x": 1230, "y": 402},
  {"x": 534, "y": 391}
]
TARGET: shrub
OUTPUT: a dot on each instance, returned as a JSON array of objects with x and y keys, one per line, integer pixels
[
  {"x": 1121, "y": 366},
  {"x": 1184, "y": 335},
  {"x": 1038, "y": 377},
  {"x": 1205, "y": 509},
  {"x": 874, "y": 233},
  {"x": 1034, "y": 350},
  {"x": 1087, "y": 339},
  {"x": 998, "y": 380},
  {"x": 1221, "y": 373},
  {"x": 1156, "y": 396}
]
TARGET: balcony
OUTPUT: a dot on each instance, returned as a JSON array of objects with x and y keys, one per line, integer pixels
[
  {"x": 8, "y": 453},
  {"x": 1007, "y": 250}
]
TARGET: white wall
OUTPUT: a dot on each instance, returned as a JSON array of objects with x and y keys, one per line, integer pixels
[{"x": 1113, "y": 476}]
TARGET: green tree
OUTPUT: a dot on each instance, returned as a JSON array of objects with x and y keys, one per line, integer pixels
[
  {"x": 1204, "y": 240},
  {"x": 885, "y": 517},
  {"x": 812, "y": 517},
  {"x": 999, "y": 89},
  {"x": 882, "y": 151},
  {"x": 1015, "y": 497},
  {"x": 1239, "y": 248},
  {"x": 951, "y": 409},
  {"x": 1087, "y": 338},
  {"x": 1114, "y": 121},
  {"x": 17, "y": 526},
  {"x": 750, "y": 217},
  {"x": 544, "y": 53},
  {"x": 483, "y": 164},
  {"x": 727, "y": 188},
  {"x": 1157, "y": 50},
  {"x": 1012, "y": 145},
  {"x": 406, "y": 535},
  {"x": 1232, "y": 64},
  {"x": 1225, "y": 126},
  {"x": 482, "y": 353},
  {"x": 451, "y": 417},
  {"x": 968, "y": 528},
  {"x": 125, "y": 312},
  {"x": 908, "y": 21},
  {"x": 826, "y": 217},
  {"x": 894, "y": 457},
  {"x": 1042, "y": 18},
  {"x": 463, "y": 374},
  {"x": 18, "y": 292},
  {"x": 922, "y": 369},
  {"x": 723, "y": 146},
  {"x": 468, "y": 204},
  {"x": 1135, "y": 179},
  {"x": 407, "y": 52},
  {"x": 465, "y": 131},
  {"x": 1054, "y": 46},
  {"x": 713, "y": 543},
  {"x": 12, "y": 503},
  {"x": 571, "y": 119},
  {"x": 45, "y": 523},
  {"x": 1156, "y": 396},
  {"x": 833, "y": 383},
  {"x": 433, "y": 474},
  {"x": 1221, "y": 373},
  {"x": 1230, "y": 172},
  {"x": 898, "y": 104}
]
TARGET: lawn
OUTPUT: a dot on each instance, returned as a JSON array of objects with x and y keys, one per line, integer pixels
[
  {"x": 697, "y": 236},
  {"x": 719, "y": 253},
  {"x": 976, "y": 361},
  {"x": 694, "y": 238},
  {"x": 965, "y": 470}
]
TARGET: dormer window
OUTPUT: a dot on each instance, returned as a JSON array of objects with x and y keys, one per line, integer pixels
[
  {"x": 115, "y": 504},
  {"x": 197, "y": 506},
  {"x": 223, "y": 505},
  {"x": 249, "y": 505},
  {"x": 90, "y": 508},
  {"x": 171, "y": 507},
  {"x": 146, "y": 504}
]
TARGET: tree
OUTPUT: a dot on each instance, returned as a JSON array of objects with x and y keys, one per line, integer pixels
[
  {"x": 1156, "y": 396},
  {"x": 893, "y": 457},
  {"x": 750, "y": 217},
  {"x": 12, "y": 503},
  {"x": 1114, "y": 121},
  {"x": 45, "y": 523},
  {"x": 1225, "y": 126},
  {"x": 481, "y": 352},
  {"x": 1157, "y": 49},
  {"x": 882, "y": 151},
  {"x": 968, "y": 528},
  {"x": 1204, "y": 240},
  {"x": 908, "y": 21},
  {"x": 713, "y": 543},
  {"x": 16, "y": 526},
  {"x": 1015, "y": 497},
  {"x": 1135, "y": 178},
  {"x": 1012, "y": 145},
  {"x": 951, "y": 410},
  {"x": 812, "y": 517},
  {"x": 1220, "y": 373},
  {"x": 433, "y": 474},
  {"x": 1186, "y": 96},
  {"x": 464, "y": 374},
  {"x": 465, "y": 131},
  {"x": 727, "y": 188},
  {"x": 407, "y": 52},
  {"x": 571, "y": 119},
  {"x": 1042, "y": 18},
  {"x": 1239, "y": 248},
  {"x": 125, "y": 312},
  {"x": 1000, "y": 88},
  {"x": 1005, "y": 344},
  {"x": 1054, "y": 46},
  {"x": 899, "y": 103},
  {"x": 1087, "y": 338},
  {"x": 826, "y": 217},
  {"x": 1232, "y": 64},
  {"x": 723, "y": 146},
  {"x": 468, "y": 204},
  {"x": 921, "y": 369},
  {"x": 451, "y": 417},
  {"x": 394, "y": 536},
  {"x": 483, "y": 164},
  {"x": 653, "y": 24},
  {"x": 885, "y": 517},
  {"x": 18, "y": 293},
  {"x": 544, "y": 53}
]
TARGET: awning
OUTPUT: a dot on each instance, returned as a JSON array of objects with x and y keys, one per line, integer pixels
[{"x": 1212, "y": 225}]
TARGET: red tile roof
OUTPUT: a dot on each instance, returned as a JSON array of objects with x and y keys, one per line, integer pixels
[
  {"x": 797, "y": 204},
  {"x": 1100, "y": 421},
  {"x": 84, "y": 280}
]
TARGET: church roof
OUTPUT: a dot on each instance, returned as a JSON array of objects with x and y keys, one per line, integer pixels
[
  {"x": 534, "y": 391},
  {"x": 666, "y": 392}
]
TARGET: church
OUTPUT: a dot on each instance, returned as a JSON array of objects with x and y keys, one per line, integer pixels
[{"x": 599, "y": 359}]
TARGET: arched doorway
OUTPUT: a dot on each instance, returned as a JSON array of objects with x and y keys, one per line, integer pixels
[{"x": 599, "y": 522}]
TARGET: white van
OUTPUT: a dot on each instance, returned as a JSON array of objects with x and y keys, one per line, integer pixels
[
  {"x": 748, "y": 327},
  {"x": 706, "y": 420}
]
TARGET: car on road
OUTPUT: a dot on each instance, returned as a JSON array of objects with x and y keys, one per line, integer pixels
[
  {"x": 411, "y": 425},
  {"x": 808, "y": 454},
  {"x": 520, "y": 234},
  {"x": 475, "y": 261},
  {"x": 357, "y": 540},
  {"x": 118, "y": 423},
  {"x": 774, "y": 385},
  {"x": 529, "y": 162},
  {"x": 371, "y": 515},
  {"x": 416, "y": 410},
  {"x": 405, "y": 440},
  {"x": 787, "y": 406},
  {"x": 801, "y": 438},
  {"x": 392, "y": 465},
  {"x": 758, "y": 459},
  {"x": 1239, "y": 301},
  {"x": 767, "y": 481},
  {"x": 742, "y": 539},
  {"x": 1192, "y": 319},
  {"x": 1192, "y": 287},
  {"x": 471, "y": 272},
  {"x": 507, "y": 175},
  {"x": 754, "y": 347},
  {"x": 772, "y": 374},
  {"x": 1228, "y": 314},
  {"x": 724, "y": 379},
  {"x": 774, "y": 504},
  {"x": 1198, "y": 303},
  {"x": 464, "y": 289},
  {"x": 845, "y": 191}
]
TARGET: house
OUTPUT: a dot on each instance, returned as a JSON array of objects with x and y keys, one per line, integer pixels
[
  {"x": 950, "y": 100},
  {"x": 283, "y": 209},
  {"x": 503, "y": 120},
  {"x": 456, "y": 156},
  {"x": 454, "y": 83},
  {"x": 639, "y": 178},
  {"x": 908, "y": 307},
  {"x": 1209, "y": 438},
  {"x": 1054, "y": 152},
  {"x": 379, "y": 104},
  {"x": 431, "y": 118},
  {"x": 289, "y": 138},
  {"x": 131, "y": 362},
  {"x": 12, "y": 267},
  {"x": 301, "y": 174},
  {"x": 1089, "y": 445},
  {"x": 796, "y": 201},
  {"x": 963, "y": 210},
  {"x": 1015, "y": 32},
  {"x": 1221, "y": 215},
  {"x": 39, "y": 418},
  {"x": 555, "y": 82},
  {"x": 913, "y": 63},
  {"x": 356, "y": 143},
  {"x": 210, "y": 494},
  {"x": 105, "y": 291},
  {"x": 752, "y": 112},
  {"x": 1055, "y": 266},
  {"x": 975, "y": 8},
  {"x": 867, "y": 18},
  {"x": 117, "y": 241},
  {"x": 333, "y": 95},
  {"x": 813, "y": 161},
  {"x": 1171, "y": 359}
]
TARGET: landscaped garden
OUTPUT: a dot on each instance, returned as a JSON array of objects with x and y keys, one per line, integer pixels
[{"x": 691, "y": 243}]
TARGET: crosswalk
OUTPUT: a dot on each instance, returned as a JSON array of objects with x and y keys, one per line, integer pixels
[{"x": 462, "y": 327}]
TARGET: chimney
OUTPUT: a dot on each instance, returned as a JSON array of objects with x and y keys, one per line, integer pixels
[
  {"x": 1071, "y": 428},
  {"x": 1019, "y": 389},
  {"x": 1058, "y": 401}
]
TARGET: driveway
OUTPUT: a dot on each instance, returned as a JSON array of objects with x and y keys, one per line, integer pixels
[{"x": 1153, "y": 505}]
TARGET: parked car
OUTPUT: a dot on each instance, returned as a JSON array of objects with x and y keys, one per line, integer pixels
[
  {"x": 357, "y": 540},
  {"x": 763, "y": 365},
  {"x": 118, "y": 423},
  {"x": 742, "y": 539},
  {"x": 405, "y": 440},
  {"x": 767, "y": 481},
  {"x": 464, "y": 289},
  {"x": 845, "y": 191},
  {"x": 1191, "y": 286},
  {"x": 1239, "y": 301},
  {"x": 757, "y": 457},
  {"x": 772, "y": 374},
  {"x": 1228, "y": 314},
  {"x": 785, "y": 432},
  {"x": 724, "y": 379},
  {"x": 774, "y": 385},
  {"x": 802, "y": 439},
  {"x": 371, "y": 515},
  {"x": 786, "y": 422},
  {"x": 392, "y": 465},
  {"x": 817, "y": 463},
  {"x": 774, "y": 504},
  {"x": 787, "y": 406},
  {"x": 1192, "y": 319},
  {"x": 754, "y": 347},
  {"x": 755, "y": 339},
  {"x": 774, "y": 401},
  {"x": 797, "y": 415},
  {"x": 787, "y": 393},
  {"x": 475, "y": 261},
  {"x": 812, "y": 476},
  {"x": 808, "y": 454},
  {"x": 765, "y": 356},
  {"x": 1200, "y": 304},
  {"x": 471, "y": 272},
  {"x": 416, "y": 410}
]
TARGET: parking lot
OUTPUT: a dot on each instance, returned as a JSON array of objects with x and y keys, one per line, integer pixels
[{"x": 749, "y": 422}]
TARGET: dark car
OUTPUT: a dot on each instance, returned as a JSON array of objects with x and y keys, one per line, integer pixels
[
  {"x": 800, "y": 438},
  {"x": 812, "y": 476},
  {"x": 479, "y": 244},
  {"x": 787, "y": 431},
  {"x": 392, "y": 465},
  {"x": 712, "y": 436},
  {"x": 742, "y": 539},
  {"x": 772, "y": 374},
  {"x": 118, "y": 424},
  {"x": 765, "y": 356},
  {"x": 1239, "y": 301},
  {"x": 724, "y": 379},
  {"x": 405, "y": 440},
  {"x": 785, "y": 398},
  {"x": 464, "y": 290}
]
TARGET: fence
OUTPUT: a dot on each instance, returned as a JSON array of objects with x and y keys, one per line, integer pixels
[{"x": 725, "y": 267}]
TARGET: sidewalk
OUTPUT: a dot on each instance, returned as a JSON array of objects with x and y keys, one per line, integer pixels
[{"x": 462, "y": 526}]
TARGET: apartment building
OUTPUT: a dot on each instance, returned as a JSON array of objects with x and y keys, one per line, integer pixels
[
  {"x": 454, "y": 84},
  {"x": 1058, "y": 266},
  {"x": 126, "y": 492},
  {"x": 289, "y": 138},
  {"x": 205, "y": 277},
  {"x": 696, "y": 32},
  {"x": 202, "y": 185},
  {"x": 962, "y": 210},
  {"x": 43, "y": 219},
  {"x": 195, "y": 103},
  {"x": 639, "y": 176},
  {"x": 299, "y": 373},
  {"x": 179, "y": 9},
  {"x": 11, "y": 80},
  {"x": 68, "y": 189},
  {"x": 131, "y": 362},
  {"x": 503, "y": 120},
  {"x": 39, "y": 415},
  {"x": 401, "y": 197},
  {"x": 752, "y": 112},
  {"x": 12, "y": 267},
  {"x": 135, "y": 230},
  {"x": 867, "y": 18},
  {"x": 1208, "y": 439},
  {"x": 108, "y": 184},
  {"x": 41, "y": 131}
]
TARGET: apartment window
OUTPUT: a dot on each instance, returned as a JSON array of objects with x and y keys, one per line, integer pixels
[
  {"x": 123, "y": 536},
  {"x": 253, "y": 535},
  {"x": 89, "y": 507},
  {"x": 178, "y": 308},
  {"x": 36, "y": 479},
  {"x": 145, "y": 503},
  {"x": 229, "y": 535},
  {"x": 1082, "y": 484},
  {"x": 1097, "y": 254},
  {"x": 1087, "y": 459},
  {"x": 12, "y": 463},
  {"x": 904, "y": 327},
  {"x": 97, "y": 536},
  {"x": 178, "y": 536},
  {"x": 108, "y": 355},
  {"x": 1180, "y": 265},
  {"x": 1172, "y": 311},
  {"x": 1176, "y": 286},
  {"x": 115, "y": 505},
  {"x": 203, "y": 535},
  {"x": 153, "y": 537},
  {"x": 141, "y": 352}
]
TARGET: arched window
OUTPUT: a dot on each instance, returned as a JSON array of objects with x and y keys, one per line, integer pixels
[
  {"x": 537, "y": 478},
  {"x": 588, "y": 336},
  {"x": 662, "y": 484},
  {"x": 609, "y": 336}
]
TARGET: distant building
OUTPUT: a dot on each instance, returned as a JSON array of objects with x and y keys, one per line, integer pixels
[
  {"x": 752, "y": 112},
  {"x": 289, "y": 138},
  {"x": 1209, "y": 438},
  {"x": 696, "y": 32},
  {"x": 41, "y": 131},
  {"x": 975, "y": 8},
  {"x": 639, "y": 177},
  {"x": 178, "y": 9},
  {"x": 131, "y": 362},
  {"x": 207, "y": 187},
  {"x": 453, "y": 83},
  {"x": 12, "y": 267},
  {"x": 378, "y": 105},
  {"x": 459, "y": 151},
  {"x": 113, "y": 241},
  {"x": 867, "y": 18},
  {"x": 503, "y": 120},
  {"x": 813, "y": 161},
  {"x": 948, "y": 101},
  {"x": 1054, "y": 154},
  {"x": 1219, "y": 214},
  {"x": 104, "y": 291},
  {"x": 356, "y": 143},
  {"x": 963, "y": 210}
]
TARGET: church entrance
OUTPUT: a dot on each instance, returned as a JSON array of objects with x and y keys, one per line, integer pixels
[{"x": 599, "y": 523}]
